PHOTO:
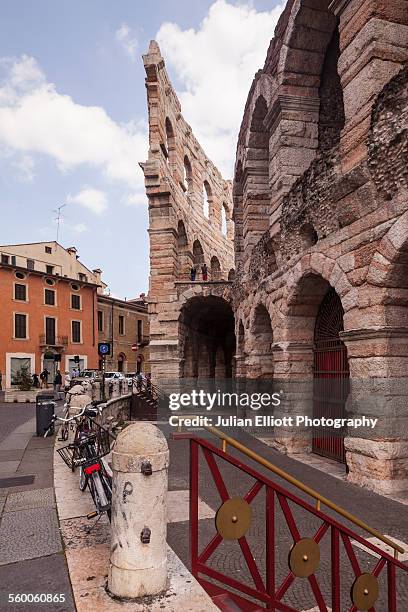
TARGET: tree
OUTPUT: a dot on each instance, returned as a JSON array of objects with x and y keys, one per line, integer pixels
[{"x": 24, "y": 379}]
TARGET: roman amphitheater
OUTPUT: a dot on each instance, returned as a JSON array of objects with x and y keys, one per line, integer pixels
[{"x": 307, "y": 248}]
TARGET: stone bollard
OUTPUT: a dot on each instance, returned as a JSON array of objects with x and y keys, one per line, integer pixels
[{"x": 138, "y": 558}]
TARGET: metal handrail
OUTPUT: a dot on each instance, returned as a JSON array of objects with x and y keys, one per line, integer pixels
[{"x": 320, "y": 499}]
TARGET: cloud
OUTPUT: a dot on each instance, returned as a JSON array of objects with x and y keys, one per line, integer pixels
[
  {"x": 79, "y": 228},
  {"x": 215, "y": 65},
  {"x": 24, "y": 165},
  {"x": 90, "y": 198},
  {"x": 36, "y": 118},
  {"x": 124, "y": 37},
  {"x": 135, "y": 199}
]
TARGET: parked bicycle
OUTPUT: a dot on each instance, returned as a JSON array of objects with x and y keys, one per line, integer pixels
[{"x": 91, "y": 443}]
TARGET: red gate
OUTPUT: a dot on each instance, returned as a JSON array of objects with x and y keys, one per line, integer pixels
[
  {"x": 350, "y": 585},
  {"x": 331, "y": 377}
]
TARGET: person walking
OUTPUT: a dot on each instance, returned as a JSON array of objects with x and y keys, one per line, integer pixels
[
  {"x": 36, "y": 382},
  {"x": 44, "y": 378},
  {"x": 204, "y": 272},
  {"x": 1, "y": 381},
  {"x": 57, "y": 382},
  {"x": 149, "y": 383},
  {"x": 193, "y": 273},
  {"x": 67, "y": 380}
]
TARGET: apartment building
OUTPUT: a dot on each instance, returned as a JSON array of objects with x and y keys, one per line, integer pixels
[
  {"x": 48, "y": 310},
  {"x": 124, "y": 324}
]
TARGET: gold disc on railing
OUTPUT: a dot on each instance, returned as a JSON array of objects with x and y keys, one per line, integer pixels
[
  {"x": 364, "y": 592},
  {"x": 233, "y": 518},
  {"x": 304, "y": 558}
]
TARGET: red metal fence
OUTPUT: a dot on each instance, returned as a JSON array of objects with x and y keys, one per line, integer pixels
[{"x": 268, "y": 591}]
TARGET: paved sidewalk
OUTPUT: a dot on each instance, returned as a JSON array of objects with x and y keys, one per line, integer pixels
[{"x": 31, "y": 556}]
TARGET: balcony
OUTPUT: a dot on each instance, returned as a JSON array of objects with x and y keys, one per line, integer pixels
[{"x": 53, "y": 341}]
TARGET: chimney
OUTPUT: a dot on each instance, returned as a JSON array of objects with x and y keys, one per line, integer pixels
[{"x": 72, "y": 251}]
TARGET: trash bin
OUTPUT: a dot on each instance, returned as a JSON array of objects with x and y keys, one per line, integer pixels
[{"x": 44, "y": 411}]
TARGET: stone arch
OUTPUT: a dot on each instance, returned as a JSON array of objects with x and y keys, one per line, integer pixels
[
  {"x": 198, "y": 253},
  {"x": 187, "y": 174},
  {"x": 207, "y": 337},
  {"x": 170, "y": 146},
  {"x": 261, "y": 333},
  {"x": 207, "y": 199},
  {"x": 122, "y": 361},
  {"x": 183, "y": 253},
  {"x": 215, "y": 268},
  {"x": 383, "y": 269}
]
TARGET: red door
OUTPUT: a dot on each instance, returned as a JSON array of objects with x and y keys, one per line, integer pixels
[{"x": 331, "y": 377}]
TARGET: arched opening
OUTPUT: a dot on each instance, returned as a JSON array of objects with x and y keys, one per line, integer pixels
[
  {"x": 262, "y": 340},
  {"x": 207, "y": 338},
  {"x": 121, "y": 362},
  {"x": 215, "y": 268},
  {"x": 331, "y": 376},
  {"x": 224, "y": 225},
  {"x": 256, "y": 169},
  {"x": 170, "y": 145},
  {"x": 231, "y": 274},
  {"x": 183, "y": 256},
  {"x": 198, "y": 254},
  {"x": 206, "y": 199},
  {"x": 139, "y": 364},
  {"x": 331, "y": 114},
  {"x": 188, "y": 175}
]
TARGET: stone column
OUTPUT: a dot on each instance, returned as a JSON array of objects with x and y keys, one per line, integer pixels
[
  {"x": 378, "y": 458},
  {"x": 138, "y": 560}
]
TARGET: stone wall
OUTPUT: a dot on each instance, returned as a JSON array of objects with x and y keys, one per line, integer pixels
[
  {"x": 188, "y": 199},
  {"x": 330, "y": 212}
]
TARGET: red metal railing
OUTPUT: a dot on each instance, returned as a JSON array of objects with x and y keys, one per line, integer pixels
[{"x": 268, "y": 592}]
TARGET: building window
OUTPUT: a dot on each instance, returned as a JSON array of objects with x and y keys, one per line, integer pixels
[
  {"x": 20, "y": 326},
  {"x": 17, "y": 364},
  {"x": 50, "y": 330},
  {"x": 100, "y": 320},
  {"x": 121, "y": 325},
  {"x": 49, "y": 269},
  {"x": 76, "y": 331},
  {"x": 20, "y": 292},
  {"x": 49, "y": 281},
  {"x": 75, "y": 287},
  {"x": 139, "y": 330},
  {"x": 20, "y": 275},
  {"x": 82, "y": 277},
  {"x": 49, "y": 297},
  {"x": 30, "y": 264},
  {"x": 48, "y": 250},
  {"x": 5, "y": 259},
  {"x": 75, "y": 302}
]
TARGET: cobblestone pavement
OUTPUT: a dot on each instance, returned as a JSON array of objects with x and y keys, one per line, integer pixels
[
  {"x": 31, "y": 556},
  {"x": 388, "y": 516}
]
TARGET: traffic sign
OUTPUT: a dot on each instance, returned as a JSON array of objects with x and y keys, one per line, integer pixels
[
  {"x": 135, "y": 347},
  {"x": 104, "y": 348}
]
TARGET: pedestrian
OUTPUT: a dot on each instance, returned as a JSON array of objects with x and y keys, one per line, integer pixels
[
  {"x": 139, "y": 380},
  {"x": 74, "y": 373},
  {"x": 149, "y": 383},
  {"x": 67, "y": 380},
  {"x": 193, "y": 273},
  {"x": 44, "y": 378},
  {"x": 204, "y": 271},
  {"x": 1, "y": 381},
  {"x": 36, "y": 382},
  {"x": 57, "y": 382}
]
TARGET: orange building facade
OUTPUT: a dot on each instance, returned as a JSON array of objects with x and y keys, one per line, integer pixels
[{"x": 47, "y": 320}]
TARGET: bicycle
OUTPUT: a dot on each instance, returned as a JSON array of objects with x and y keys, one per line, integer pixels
[{"x": 92, "y": 442}]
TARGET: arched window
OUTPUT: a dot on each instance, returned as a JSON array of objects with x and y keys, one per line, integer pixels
[
  {"x": 198, "y": 253},
  {"x": 224, "y": 227},
  {"x": 121, "y": 362},
  {"x": 206, "y": 199},
  {"x": 183, "y": 256},
  {"x": 188, "y": 175},
  {"x": 170, "y": 145},
  {"x": 215, "y": 268}
]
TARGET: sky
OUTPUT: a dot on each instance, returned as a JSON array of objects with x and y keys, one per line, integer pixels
[{"x": 73, "y": 114}]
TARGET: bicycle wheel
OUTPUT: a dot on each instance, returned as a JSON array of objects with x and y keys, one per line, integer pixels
[
  {"x": 83, "y": 479},
  {"x": 107, "y": 485}
]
